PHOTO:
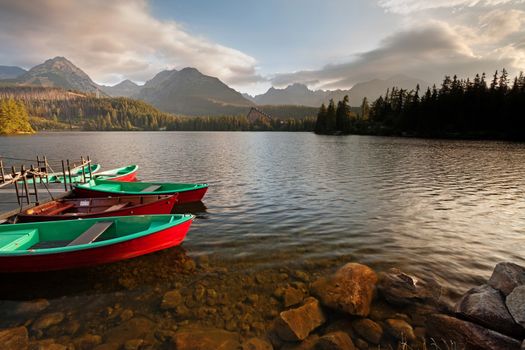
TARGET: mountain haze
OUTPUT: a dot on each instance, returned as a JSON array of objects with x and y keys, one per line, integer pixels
[
  {"x": 299, "y": 94},
  {"x": 190, "y": 92},
  {"x": 11, "y": 72},
  {"x": 125, "y": 88},
  {"x": 58, "y": 72}
]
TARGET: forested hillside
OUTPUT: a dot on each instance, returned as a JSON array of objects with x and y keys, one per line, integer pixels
[{"x": 58, "y": 109}]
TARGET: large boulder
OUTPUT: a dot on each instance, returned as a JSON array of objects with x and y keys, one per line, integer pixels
[
  {"x": 485, "y": 305},
  {"x": 14, "y": 338},
  {"x": 507, "y": 276},
  {"x": 296, "y": 324},
  {"x": 444, "y": 329},
  {"x": 196, "y": 338},
  {"x": 349, "y": 290},
  {"x": 516, "y": 305},
  {"x": 399, "y": 288}
]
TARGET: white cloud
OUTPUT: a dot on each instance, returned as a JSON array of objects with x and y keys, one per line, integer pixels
[
  {"x": 426, "y": 51},
  {"x": 409, "y": 6},
  {"x": 112, "y": 40}
]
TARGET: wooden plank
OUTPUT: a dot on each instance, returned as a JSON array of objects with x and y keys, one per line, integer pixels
[
  {"x": 151, "y": 188},
  {"x": 92, "y": 233},
  {"x": 117, "y": 206}
]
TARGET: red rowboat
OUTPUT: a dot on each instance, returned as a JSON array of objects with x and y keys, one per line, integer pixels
[
  {"x": 127, "y": 173},
  {"x": 188, "y": 192},
  {"x": 67, "y": 209},
  {"x": 57, "y": 245}
]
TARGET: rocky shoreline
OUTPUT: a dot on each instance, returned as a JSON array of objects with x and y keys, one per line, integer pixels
[{"x": 353, "y": 308}]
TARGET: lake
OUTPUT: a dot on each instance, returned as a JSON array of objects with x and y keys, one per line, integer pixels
[{"x": 288, "y": 202}]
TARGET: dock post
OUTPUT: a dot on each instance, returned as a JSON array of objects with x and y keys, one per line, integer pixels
[
  {"x": 45, "y": 169},
  {"x": 2, "y": 170},
  {"x": 24, "y": 179},
  {"x": 69, "y": 174},
  {"x": 83, "y": 170},
  {"x": 16, "y": 185},
  {"x": 89, "y": 168},
  {"x": 35, "y": 187},
  {"x": 64, "y": 173}
]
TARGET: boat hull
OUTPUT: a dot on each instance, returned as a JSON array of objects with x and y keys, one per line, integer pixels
[
  {"x": 163, "y": 206},
  {"x": 127, "y": 177},
  {"x": 184, "y": 196},
  {"x": 159, "y": 240}
]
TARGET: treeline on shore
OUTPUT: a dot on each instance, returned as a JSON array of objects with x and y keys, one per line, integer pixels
[
  {"x": 50, "y": 111},
  {"x": 460, "y": 108},
  {"x": 14, "y": 118}
]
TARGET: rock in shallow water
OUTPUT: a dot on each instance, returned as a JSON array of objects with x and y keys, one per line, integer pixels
[
  {"x": 485, "y": 306},
  {"x": 256, "y": 344},
  {"x": 399, "y": 288},
  {"x": 350, "y": 290},
  {"x": 507, "y": 276},
  {"x": 296, "y": 324},
  {"x": 335, "y": 341},
  {"x": 368, "y": 329},
  {"x": 466, "y": 335},
  {"x": 194, "y": 338},
  {"x": 14, "y": 338},
  {"x": 171, "y": 300},
  {"x": 400, "y": 329},
  {"x": 516, "y": 304},
  {"x": 47, "y": 320},
  {"x": 31, "y": 307}
]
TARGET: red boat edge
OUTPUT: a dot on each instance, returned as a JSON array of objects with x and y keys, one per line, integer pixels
[
  {"x": 183, "y": 198},
  {"x": 160, "y": 240},
  {"x": 161, "y": 206}
]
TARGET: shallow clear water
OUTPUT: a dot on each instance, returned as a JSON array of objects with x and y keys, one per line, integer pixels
[
  {"x": 282, "y": 210},
  {"x": 450, "y": 209}
]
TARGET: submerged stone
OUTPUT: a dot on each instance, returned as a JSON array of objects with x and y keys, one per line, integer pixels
[
  {"x": 369, "y": 330},
  {"x": 399, "y": 288},
  {"x": 47, "y": 320},
  {"x": 171, "y": 300},
  {"x": 400, "y": 329},
  {"x": 349, "y": 290},
  {"x": 31, "y": 307},
  {"x": 14, "y": 338},
  {"x": 335, "y": 341},
  {"x": 256, "y": 344},
  {"x": 296, "y": 324},
  {"x": 196, "y": 338}
]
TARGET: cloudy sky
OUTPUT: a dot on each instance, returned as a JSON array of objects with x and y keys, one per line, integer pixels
[{"x": 252, "y": 45}]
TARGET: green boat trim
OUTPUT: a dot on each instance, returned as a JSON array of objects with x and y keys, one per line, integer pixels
[
  {"x": 116, "y": 172},
  {"x": 137, "y": 188},
  {"x": 17, "y": 239}
]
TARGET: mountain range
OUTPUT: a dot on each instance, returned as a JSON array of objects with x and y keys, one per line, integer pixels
[
  {"x": 189, "y": 92},
  {"x": 299, "y": 94},
  {"x": 11, "y": 72}
]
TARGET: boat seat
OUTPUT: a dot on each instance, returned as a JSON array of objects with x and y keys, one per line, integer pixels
[
  {"x": 151, "y": 188},
  {"x": 92, "y": 233},
  {"x": 14, "y": 240},
  {"x": 60, "y": 209},
  {"x": 117, "y": 206}
]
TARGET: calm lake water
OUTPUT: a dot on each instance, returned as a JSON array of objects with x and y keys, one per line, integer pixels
[
  {"x": 452, "y": 209},
  {"x": 446, "y": 209}
]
